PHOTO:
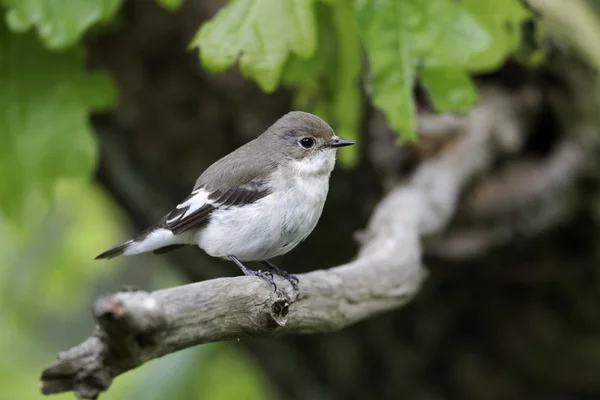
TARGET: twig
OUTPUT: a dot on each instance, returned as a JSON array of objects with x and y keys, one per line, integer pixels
[{"x": 135, "y": 327}]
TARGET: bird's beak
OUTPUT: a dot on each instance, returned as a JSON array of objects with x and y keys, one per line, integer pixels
[{"x": 339, "y": 142}]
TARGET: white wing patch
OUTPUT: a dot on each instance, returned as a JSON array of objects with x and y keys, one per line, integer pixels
[{"x": 195, "y": 200}]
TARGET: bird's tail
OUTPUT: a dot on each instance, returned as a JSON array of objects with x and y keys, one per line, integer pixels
[
  {"x": 114, "y": 251},
  {"x": 157, "y": 240}
]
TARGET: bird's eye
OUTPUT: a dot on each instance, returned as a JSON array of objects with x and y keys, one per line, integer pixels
[{"x": 307, "y": 143}]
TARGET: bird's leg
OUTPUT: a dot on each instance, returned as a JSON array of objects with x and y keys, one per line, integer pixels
[
  {"x": 267, "y": 276},
  {"x": 285, "y": 275}
]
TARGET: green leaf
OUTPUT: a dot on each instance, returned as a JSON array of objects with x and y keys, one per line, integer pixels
[
  {"x": 502, "y": 19},
  {"x": 449, "y": 89},
  {"x": 328, "y": 84},
  {"x": 399, "y": 36},
  {"x": 261, "y": 34},
  {"x": 346, "y": 112},
  {"x": 310, "y": 76},
  {"x": 44, "y": 130},
  {"x": 443, "y": 33},
  {"x": 385, "y": 30},
  {"x": 170, "y": 5},
  {"x": 60, "y": 23}
]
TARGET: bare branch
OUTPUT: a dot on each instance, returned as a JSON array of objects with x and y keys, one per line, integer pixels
[{"x": 135, "y": 327}]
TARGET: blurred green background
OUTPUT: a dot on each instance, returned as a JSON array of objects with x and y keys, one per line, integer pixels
[
  {"x": 48, "y": 280},
  {"x": 155, "y": 75},
  {"x": 55, "y": 218}
]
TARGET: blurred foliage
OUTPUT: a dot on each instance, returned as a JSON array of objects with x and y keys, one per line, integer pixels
[
  {"x": 46, "y": 98},
  {"x": 335, "y": 97},
  {"x": 216, "y": 371},
  {"x": 53, "y": 220},
  {"x": 575, "y": 24},
  {"x": 318, "y": 53},
  {"x": 57, "y": 256},
  {"x": 314, "y": 47},
  {"x": 59, "y": 23},
  {"x": 170, "y": 4},
  {"x": 49, "y": 281},
  {"x": 49, "y": 276}
]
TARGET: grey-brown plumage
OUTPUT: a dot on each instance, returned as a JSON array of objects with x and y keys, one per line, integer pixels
[
  {"x": 260, "y": 157},
  {"x": 255, "y": 203}
]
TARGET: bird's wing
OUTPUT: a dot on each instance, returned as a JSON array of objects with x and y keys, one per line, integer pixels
[
  {"x": 241, "y": 177},
  {"x": 194, "y": 211}
]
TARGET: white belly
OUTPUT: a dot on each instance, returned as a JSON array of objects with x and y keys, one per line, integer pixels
[{"x": 268, "y": 228}]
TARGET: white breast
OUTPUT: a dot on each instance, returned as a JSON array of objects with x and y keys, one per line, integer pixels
[{"x": 276, "y": 223}]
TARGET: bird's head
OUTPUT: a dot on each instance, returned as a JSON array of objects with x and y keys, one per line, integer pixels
[{"x": 306, "y": 140}]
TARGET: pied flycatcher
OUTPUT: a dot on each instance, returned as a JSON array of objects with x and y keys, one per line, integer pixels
[{"x": 256, "y": 203}]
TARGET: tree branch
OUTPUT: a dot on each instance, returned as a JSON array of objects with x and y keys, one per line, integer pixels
[{"x": 135, "y": 327}]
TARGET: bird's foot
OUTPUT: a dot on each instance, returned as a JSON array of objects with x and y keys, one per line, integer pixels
[
  {"x": 285, "y": 275},
  {"x": 267, "y": 276}
]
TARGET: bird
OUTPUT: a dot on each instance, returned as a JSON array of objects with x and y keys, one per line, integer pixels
[{"x": 256, "y": 203}]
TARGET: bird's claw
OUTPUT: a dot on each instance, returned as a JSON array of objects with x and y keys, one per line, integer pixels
[
  {"x": 267, "y": 276},
  {"x": 293, "y": 280}
]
